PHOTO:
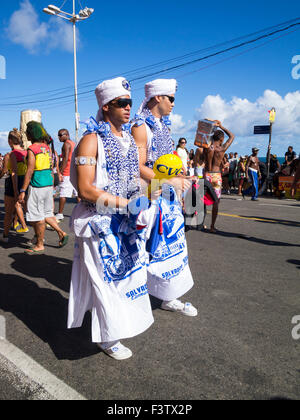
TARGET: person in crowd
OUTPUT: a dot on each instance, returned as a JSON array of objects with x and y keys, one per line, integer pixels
[
  {"x": 192, "y": 154},
  {"x": 191, "y": 163},
  {"x": 290, "y": 155},
  {"x": 169, "y": 275},
  {"x": 15, "y": 165},
  {"x": 183, "y": 154},
  {"x": 253, "y": 175},
  {"x": 213, "y": 165},
  {"x": 241, "y": 174},
  {"x": 225, "y": 175},
  {"x": 262, "y": 182},
  {"x": 39, "y": 179},
  {"x": 109, "y": 275},
  {"x": 233, "y": 162},
  {"x": 296, "y": 180},
  {"x": 275, "y": 168},
  {"x": 1, "y": 162},
  {"x": 66, "y": 189},
  {"x": 232, "y": 168},
  {"x": 199, "y": 162}
]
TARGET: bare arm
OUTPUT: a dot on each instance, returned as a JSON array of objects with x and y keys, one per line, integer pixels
[
  {"x": 14, "y": 174},
  {"x": 30, "y": 169},
  {"x": 5, "y": 165},
  {"x": 66, "y": 150},
  {"x": 28, "y": 175},
  {"x": 88, "y": 147},
  {"x": 230, "y": 135},
  {"x": 56, "y": 163}
]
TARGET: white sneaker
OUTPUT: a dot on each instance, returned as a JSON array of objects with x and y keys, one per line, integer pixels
[
  {"x": 177, "y": 306},
  {"x": 116, "y": 350},
  {"x": 59, "y": 216}
]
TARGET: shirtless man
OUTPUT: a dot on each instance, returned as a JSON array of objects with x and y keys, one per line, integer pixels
[
  {"x": 213, "y": 159},
  {"x": 199, "y": 162},
  {"x": 253, "y": 174}
]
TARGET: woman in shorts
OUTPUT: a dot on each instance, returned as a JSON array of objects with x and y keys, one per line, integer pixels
[{"x": 15, "y": 166}]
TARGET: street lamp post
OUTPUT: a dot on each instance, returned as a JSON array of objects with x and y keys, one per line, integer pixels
[
  {"x": 272, "y": 121},
  {"x": 83, "y": 15}
]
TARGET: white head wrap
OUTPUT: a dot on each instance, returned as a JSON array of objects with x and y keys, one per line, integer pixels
[
  {"x": 109, "y": 90},
  {"x": 156, "y": 88}
]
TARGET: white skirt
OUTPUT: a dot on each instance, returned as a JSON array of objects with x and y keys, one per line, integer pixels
[
  {"x": 110, "y": 282},
  {"x": 169, "y": 274}
]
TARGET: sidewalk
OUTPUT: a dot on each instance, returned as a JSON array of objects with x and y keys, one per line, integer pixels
[
  {"x": 21, "y": 378},
  {"x": 14, "y": 385}
]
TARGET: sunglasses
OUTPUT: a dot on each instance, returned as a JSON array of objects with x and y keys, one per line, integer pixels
[
  {"x": 171, "y": 98},
  {"x": 122, "y": 103}
]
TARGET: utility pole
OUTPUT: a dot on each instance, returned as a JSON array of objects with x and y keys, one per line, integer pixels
[
  {"x": 272, "y": 120},
  {"x": 75, "y": 76}
]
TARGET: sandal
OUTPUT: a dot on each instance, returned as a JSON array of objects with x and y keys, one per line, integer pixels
[
  {"x": 63, "y": 242},
  {"x": 34, "y": 252}
]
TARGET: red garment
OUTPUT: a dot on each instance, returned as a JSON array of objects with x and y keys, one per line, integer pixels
[
  {"x": 66, "y": 172},
  {"x": 20, "y": 155}
]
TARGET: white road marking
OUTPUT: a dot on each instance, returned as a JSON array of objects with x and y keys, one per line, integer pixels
[{"x": 56, "y": 388}]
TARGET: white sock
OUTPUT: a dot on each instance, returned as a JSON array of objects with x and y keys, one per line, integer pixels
[{"x": 106, "y": 345}]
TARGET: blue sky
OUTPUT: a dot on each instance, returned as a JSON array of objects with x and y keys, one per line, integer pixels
[{"x": 238, "y": 87}]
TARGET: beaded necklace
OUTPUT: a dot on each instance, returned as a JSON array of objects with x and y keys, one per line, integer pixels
[
  {"x": 162, "y": 143},
  {"x": 122, "y": 169}
]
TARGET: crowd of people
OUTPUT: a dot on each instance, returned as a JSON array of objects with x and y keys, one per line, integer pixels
[
  {"x": 236, "y": 178},
  {"x": 127, "y": 244},
  {"x": 32, "y": 176}
]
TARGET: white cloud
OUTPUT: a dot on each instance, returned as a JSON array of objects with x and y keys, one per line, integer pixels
[
  {"x": 240, "y": 115},
  {"x": 60, "y": 35},
  {"x": 3, "y": 142},
  {"x": 26, "y": 29},
  {"x": 180, "y": 127}
]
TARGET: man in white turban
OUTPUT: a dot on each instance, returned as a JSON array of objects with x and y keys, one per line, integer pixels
[
  {"x": 169, "y": 275},
  {"x": 109, "y": 275}
]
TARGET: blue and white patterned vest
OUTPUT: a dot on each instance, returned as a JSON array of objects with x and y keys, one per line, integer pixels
[
  {"x": 162, "y": 143},
  {"x": 123, "y": 170}
]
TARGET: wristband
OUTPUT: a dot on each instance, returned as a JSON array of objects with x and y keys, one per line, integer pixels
[{"x": 22, "y": 191}]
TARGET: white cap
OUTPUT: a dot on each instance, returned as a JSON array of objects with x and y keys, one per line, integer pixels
[
  {"x": 109, "y": 90},
  {"x": 156, "y": 88}
]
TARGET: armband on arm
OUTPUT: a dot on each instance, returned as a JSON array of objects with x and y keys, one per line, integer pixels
[{"x": 85, "y": 161}]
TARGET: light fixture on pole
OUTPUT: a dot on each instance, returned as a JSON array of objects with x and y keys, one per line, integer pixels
[
  {"x": 272, "y": 116},
  {"x": 83, "y": 15}
]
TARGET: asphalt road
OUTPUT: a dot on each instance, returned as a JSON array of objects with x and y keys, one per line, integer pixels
[{"x": 247, "y": 290}]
